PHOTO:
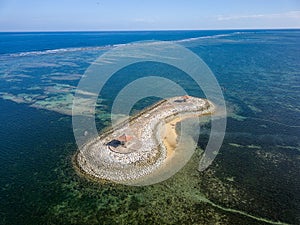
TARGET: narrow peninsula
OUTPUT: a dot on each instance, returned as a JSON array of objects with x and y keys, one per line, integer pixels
[{"x": 140, "y": 145}]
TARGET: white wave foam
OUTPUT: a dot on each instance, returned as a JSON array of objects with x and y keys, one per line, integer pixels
[
  {"x": 60, "y": 50},
  {"x": 208, "y": 37},
  {"x": 107, "y": 47}
]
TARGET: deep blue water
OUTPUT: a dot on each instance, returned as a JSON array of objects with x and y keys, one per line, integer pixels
[
  {"x": 38, "y": 41},
  {"x": 259, "y": 72}
]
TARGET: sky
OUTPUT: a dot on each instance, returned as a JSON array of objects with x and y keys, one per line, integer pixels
[{"x": 97, "y": 15}]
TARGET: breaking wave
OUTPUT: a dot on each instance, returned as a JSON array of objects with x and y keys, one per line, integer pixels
[{"x": 107, "y": 47}]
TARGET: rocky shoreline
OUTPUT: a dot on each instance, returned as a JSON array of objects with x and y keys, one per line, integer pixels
[{"x": 108, "y": 158}]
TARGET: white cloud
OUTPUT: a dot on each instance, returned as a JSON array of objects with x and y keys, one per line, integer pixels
[
  {"x": 285, "y": 15},
  {"x": 144, "y": 20}
]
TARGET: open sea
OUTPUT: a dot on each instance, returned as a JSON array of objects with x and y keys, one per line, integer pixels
[{"x": 254, "y": 179}]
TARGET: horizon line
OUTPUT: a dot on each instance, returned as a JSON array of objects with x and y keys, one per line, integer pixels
[{"x": 140, "y": 30}]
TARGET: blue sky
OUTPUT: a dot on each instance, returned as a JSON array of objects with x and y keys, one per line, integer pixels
[{"x": 67, "y": 15}]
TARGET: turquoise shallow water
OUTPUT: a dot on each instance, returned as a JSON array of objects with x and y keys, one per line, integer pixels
[{"x": 256, "y": 173}]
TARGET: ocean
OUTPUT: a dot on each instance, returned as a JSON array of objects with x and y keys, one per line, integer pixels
[{"x": 253, "y": 180}]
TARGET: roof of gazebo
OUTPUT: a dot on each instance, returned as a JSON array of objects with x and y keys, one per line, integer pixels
[{"x": 125, "y": 138}]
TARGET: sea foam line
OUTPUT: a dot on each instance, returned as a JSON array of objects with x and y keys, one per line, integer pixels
[
  {"x": 107, "y": 47},
  {"x": 209, "y": 37}
]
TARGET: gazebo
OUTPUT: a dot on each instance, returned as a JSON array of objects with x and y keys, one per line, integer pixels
[
  {"x": 185, "y": 97},
  {"x": 124, "y": 139}
]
